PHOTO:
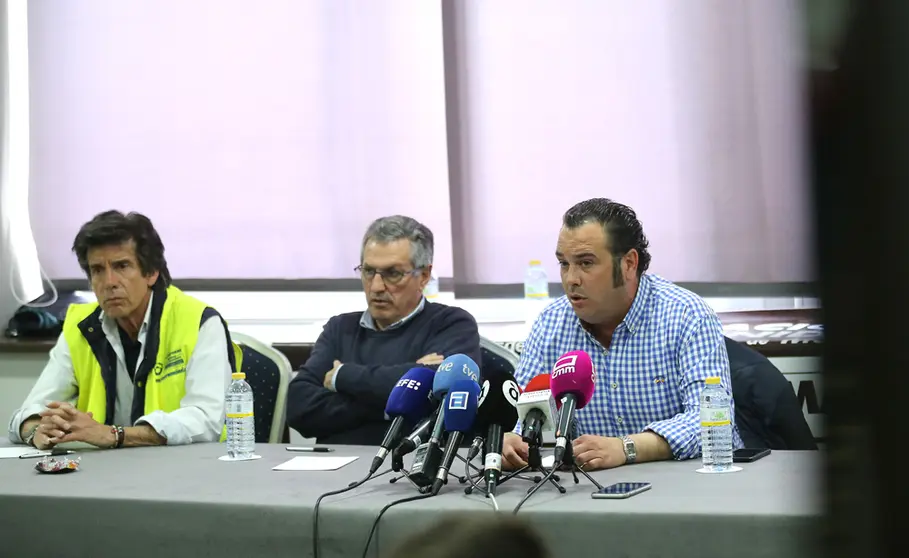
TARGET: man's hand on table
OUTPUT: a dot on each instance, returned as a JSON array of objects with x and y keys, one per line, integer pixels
[
  {"x": 590, "y": 452},
  {"x": 598, "y": 452},
  {"x": 514, "y": 452},
  {"x": 41, "y": 439},
  {"x": 61, "y": 422}
]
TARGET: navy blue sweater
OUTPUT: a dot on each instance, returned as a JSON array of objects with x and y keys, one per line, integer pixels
[{"x": 374, "y": 361}]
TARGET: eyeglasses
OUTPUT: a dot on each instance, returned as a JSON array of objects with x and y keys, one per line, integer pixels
[{"x": 390, "y": 276}]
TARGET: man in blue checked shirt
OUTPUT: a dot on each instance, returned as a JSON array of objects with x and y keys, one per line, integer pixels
[{"x": 653, "y": 344}]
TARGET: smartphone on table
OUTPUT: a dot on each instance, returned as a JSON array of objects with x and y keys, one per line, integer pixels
[
  {"x": 620, "y": 490},
  {"x": 749, "y": 455}
]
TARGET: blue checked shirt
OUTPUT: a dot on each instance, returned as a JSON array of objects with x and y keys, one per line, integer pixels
[{"x": 651, "y": 376}]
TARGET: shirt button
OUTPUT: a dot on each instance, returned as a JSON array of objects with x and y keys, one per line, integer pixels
[
  {"x": 615, "y": 386},
  {"x": 620, "y": 420},
  {"x": 139, "y": 383}
]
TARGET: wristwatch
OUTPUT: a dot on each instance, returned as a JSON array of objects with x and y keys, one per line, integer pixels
[
  {"x": 631, "y": 451},
  {"x": 30, "y": 437}
]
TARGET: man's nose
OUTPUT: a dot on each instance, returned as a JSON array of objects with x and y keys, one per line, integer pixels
[
  {"x": 573, "y": 275},
  {"x": 108, "y": 278},
  {"x": 377, "y": 284}
]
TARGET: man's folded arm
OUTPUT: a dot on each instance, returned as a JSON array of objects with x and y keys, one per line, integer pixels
[
  {"x": 315, "y": 411},
  {"x": 371, "y": 384}
]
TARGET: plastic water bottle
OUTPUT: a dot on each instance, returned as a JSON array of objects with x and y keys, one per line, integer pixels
[
  {"x": 431, "y": 290},
  {"x": 536, "y": 284},
  {"x": 241, "y": 425},
  {"x": 716, "y": 427},
  {"x": 536, "y": 292}
]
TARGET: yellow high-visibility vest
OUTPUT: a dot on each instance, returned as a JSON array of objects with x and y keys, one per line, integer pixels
[{"x": 173, "y": 326}]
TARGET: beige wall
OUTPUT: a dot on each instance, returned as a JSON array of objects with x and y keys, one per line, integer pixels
[{"x": 18, "y": 372}]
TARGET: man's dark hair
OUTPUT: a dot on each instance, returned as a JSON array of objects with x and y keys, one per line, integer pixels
[
  {"x": 623, "y": 231},
  {"x": 112, "y": 228},
  {"x": 460, "y": 536}
]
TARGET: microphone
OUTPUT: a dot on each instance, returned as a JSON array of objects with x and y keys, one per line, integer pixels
[
  {"x": 454, "y": 369},
  {"x": 408, "y": 402},
  {"x": 536, "y": 409},
  {"x": 459, "y": 410},
  {"x": 573, "y": 381},
  {"x": 420, "y": 432},
  {"x": 475, "y": 447},
  {"x": 451, "y": 370},
  {"x": 429, "y": 454},
  {"x": 497, "y": 411}
]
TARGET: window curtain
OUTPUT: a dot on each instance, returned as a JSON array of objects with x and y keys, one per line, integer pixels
[
  {"x": 689, "y": 112},
  {"x": 20, "y": 272}
]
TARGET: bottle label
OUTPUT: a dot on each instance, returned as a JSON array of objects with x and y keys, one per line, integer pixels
[
  {"x": 714, "y": 417},
  {"x": 239, "y": 409}
]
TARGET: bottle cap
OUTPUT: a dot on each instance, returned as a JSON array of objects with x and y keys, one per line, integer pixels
[
  {"x": 712, "y": 381},
  {"x": 238, "y": 375},
  {"x": 536, "y": 262}
]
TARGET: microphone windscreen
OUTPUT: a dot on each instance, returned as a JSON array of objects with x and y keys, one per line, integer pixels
[
  {"x": 410, "y": 396},
  {"x": 538, "y": 383},
  {"x": 498, "y": 401},
  {"x": 460, "y": 406},
  {"x": 454, "y": 368},
  {"x": 573, "y": 373}
]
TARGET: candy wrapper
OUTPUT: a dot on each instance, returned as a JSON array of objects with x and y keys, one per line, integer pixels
[{"x": 58, "y": 464}]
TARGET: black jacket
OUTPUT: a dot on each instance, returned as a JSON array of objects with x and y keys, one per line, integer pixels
[{"x": 767, "y": 411}]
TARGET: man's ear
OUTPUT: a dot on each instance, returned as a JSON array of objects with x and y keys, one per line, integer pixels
[
  {"x": 425, "y": 275},
  {"x": 630, "y": 263},
  {"x": 152, "y": 278}
]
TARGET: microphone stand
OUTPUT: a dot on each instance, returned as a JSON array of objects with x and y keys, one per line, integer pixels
[
  {"x": 568, "y": 461},
  {"x": 535, "y": 464},
  {"x": 465, "y": 478}
]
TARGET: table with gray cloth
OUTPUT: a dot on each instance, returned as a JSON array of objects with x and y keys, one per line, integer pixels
[{"x": 183, "y": 501}]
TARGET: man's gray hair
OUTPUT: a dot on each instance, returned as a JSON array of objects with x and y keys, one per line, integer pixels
[{"x": 398, "y": 227}]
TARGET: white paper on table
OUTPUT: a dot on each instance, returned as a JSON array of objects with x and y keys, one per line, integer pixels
[
  {"x": 14, "y": 453},
  {"x": 315, "y": 463}
]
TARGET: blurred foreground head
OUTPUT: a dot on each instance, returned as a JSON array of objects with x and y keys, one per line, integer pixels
[{"x": 469, "y": 537}]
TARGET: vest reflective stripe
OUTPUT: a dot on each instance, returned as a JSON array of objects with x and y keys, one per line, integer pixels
[{"x": 165, "y": 385}]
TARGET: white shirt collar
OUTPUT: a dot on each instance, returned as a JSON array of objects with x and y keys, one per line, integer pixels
[{"x": 109, "y": 325}]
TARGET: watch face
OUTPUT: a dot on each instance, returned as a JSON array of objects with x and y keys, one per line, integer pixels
[{"x": 630, "y": 452}]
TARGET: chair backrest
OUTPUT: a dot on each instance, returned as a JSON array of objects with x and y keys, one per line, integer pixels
[
  {"x": 268, "y": 373},
  {"x": 496, "y": 357},
  {"x": 767, "y": 411}
]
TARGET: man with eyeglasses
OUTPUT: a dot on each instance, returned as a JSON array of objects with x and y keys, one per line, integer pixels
[{"x": 339, "y": 395}]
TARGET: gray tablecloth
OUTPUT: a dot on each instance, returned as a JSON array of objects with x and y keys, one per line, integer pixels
[{"x": 182, "y": 501}]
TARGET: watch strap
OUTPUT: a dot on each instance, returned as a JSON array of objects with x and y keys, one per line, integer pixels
[
  {"x": 30, "y": 436},
  {"x": 119, "y": 436},
  {"x": 631, "y": 450}
]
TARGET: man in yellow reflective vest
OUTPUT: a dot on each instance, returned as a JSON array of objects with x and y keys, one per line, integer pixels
[{"x": 145, "y": 365}]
